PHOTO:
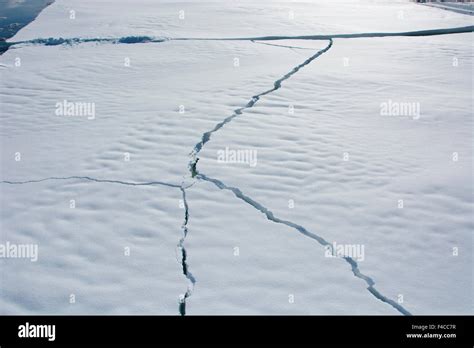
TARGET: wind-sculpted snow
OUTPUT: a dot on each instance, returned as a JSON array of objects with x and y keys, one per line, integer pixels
[
  {"x": 112, "y": 252},
  {"x": 276, "y": 85}
]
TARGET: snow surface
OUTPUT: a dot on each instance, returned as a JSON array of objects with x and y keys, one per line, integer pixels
[{"x": 336, "y": 100}]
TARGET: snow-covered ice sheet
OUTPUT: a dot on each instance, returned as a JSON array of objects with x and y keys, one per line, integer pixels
[
  {"x": 102, "y": 248},
  {"x": 390, "y": 183},
  {"x": 326, "y": 160}
]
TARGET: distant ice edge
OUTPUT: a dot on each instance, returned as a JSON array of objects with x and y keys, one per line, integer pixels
[{"x": 4, "y": 45}]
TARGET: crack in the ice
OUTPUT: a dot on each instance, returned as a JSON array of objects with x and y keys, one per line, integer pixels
[
  {"x": 427, "y": 32},
  {"x": 88, "y": 178},
  {"x": 78, "y": 40},
  {"x": 276, "y": 85},
  {"x": 270, "y": 216},
  {"x": 189, "y": 276}
]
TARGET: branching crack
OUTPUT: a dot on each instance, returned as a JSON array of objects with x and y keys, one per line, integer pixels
[
  {"x": 276, "y": 85},
  {"x": 195, "y": 174},
  {"x": 192, "y": 165}
]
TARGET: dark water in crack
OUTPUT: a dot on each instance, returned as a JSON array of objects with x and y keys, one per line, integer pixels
[{"x": 15, "y": 14}]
